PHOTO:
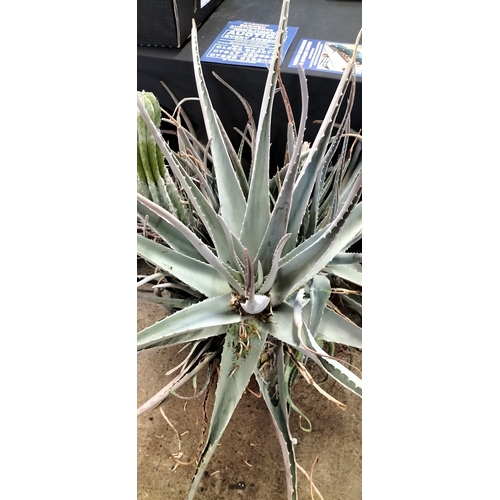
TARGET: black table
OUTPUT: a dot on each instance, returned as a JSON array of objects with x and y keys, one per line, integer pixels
[{"x": 338, "y": 21}]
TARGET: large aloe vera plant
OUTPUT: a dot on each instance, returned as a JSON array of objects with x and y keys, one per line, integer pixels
[{"x": 250, "y": 259}]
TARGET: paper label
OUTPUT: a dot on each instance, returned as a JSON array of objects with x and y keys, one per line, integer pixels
[
  {"x": 247, "y": 44},
  {"x": 321, "y": 55}
]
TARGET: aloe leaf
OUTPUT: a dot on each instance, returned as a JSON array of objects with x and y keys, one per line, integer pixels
[
  {"x": 268, "y": 283},
  {"x": 215, "y": 225},
  {"x": 341, "y": 135},
  {"x": 250, "y": 128},
  {"x": 279, "y": 177},
  {"x": 196, "y": 274},
  {"x": 354, "y": 302},
  {"x": 215, "y": 311},
  {"x": 200, "y": 151},
  {"x": 277, "y": 404},
  {"x": 327, "y": 193},
  {"x": 285, "y": 329},
  {"x": 319, "y": 292},
  {"x": 235, "y": 373},
  {"x": 235, "y": 248},
  {"x": 349, "y": 182},
  {"x": 232, "y": 153},
  {"x": 309, "y": 172},
  {"x": 183, "y": 287},
  {"x": 171, "y": 235},
  {"x": 257, "y": 213},
  {"x": 187, "y": 336},
  {"x": 235, "y": 159},
  {"x": 290, "y": 138},
  {"x": 248, "y": 138},
  {"x": 254, "y": 304},
  {"x": 282, "y": 328},
  {"x": 166, "y": 302},
  {"x": 209, "y": 218},
  {"x": 349, "y": 272},
  {"x": 335, "y": 328},
  {"x": 352, "y": 241},
  {"x": 321, "y": 187},
  {"x": 231, "y": 196},
  {"x": 244, "y": 102},
  {"x": 194, "y": 240},
  {"x": 205, "y": 186},
  {"x": 297, "y": 271},
  {"x": 345, "y": 236},
  {"x": 335, "y": 369},
  {"x": 354, "y": 166},
  {"x": 343, "y": 258},
  {"x": 277, "y": 227},
  {"x": 283, "y": 317},
  {"x": 298, "y": 306},
  {"x": 291, "y": 374},
  {"x": 260, "y": 276}
]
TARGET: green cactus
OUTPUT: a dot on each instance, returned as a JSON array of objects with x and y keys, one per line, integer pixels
[{"x": 154, "y": 180}]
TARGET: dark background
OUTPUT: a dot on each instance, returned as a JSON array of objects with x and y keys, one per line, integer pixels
[{"x": 338, "y": 21}]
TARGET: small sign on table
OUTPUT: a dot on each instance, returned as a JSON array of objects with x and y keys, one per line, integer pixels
[{"x": 247, "y": 44}]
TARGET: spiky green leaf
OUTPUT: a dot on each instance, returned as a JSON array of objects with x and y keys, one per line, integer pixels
[
  {"x": 231, "y": 196},
  {"x": 344, "y": 258},
  {"x": 349, "y": 272},
  {"x": 335, "y": 328},
  {"x": 278, "y": 224},
  {"x": 196, "y": 274},
  {"x": 319, "y": 292},
  {"x": 275, "y": 396},
  {"x": 309, "y": 261},
  {"x": 235, "y": 373},
  {"x": 170, "y": 234},
  {"x": 335, "y": 369},
  {"x": 216, "y": 311},
  {"x": 257, "y": 213},
  {"x": 194, "y": 240},
  {"x": 308, "y": 175}
]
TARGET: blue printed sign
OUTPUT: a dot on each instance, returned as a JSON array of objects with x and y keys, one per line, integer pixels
[
  {"x": 322, "y": 55},
  {"x": 247, "y": 44}
]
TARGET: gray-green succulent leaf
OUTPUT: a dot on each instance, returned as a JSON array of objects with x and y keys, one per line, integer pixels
[
  {"x": 212, "y": 312},
  {"x": 236, "y": 367}
]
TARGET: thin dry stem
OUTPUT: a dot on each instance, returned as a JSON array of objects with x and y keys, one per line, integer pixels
[
  {"x": 172, "y": 426},
  {"x": 176, "y": 460},
  {"x": 345, "y": 291},
  {"x": 258, "y": 396},
  {"x": 338, "y": 311},
  {"x": 313, "y": 486},
  {"x": 312, "y": 468},
  {"x": 309, "y": 379}
]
